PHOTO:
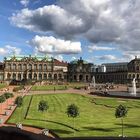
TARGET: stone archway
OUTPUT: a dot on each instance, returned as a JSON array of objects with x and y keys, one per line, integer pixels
[
  {"x": 55, "y": 76},
  {"x": 80, "y": 77},
  {"x": 35, "y": 76},
  {"x": 19, "y": 76},
  {"x": 87, "y": 78},
  {"x": 45, "y": 76},
  {"x": 8, "y": 76},
  {"x": 40, "y": 76}
]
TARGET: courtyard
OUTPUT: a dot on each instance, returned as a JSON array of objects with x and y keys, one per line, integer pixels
[{"x": 96, "y": 115}]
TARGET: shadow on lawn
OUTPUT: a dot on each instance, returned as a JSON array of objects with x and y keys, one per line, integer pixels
[
  {"x": 54, "y": 122},
  {"x": 128, "y": 125},
  {"x": 98, "y": 129},
  {"x": 61, "y": 131}
]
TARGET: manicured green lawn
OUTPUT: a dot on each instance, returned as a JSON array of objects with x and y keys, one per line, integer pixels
[
  {"x": 96, "y": 115},
  {"x": 48, "y": 87},
  {"x": 57, "y": 87},
  {"x": 2, "y": 86}
]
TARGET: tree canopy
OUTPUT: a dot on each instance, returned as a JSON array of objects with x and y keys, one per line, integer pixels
[
  {"x": 43, "y": 106},
  {"x": 72, "y": 111},
  {"x": 8, "y": 95},
  {"x": 121, "y": 111},
  {"x": 2, "y": 98}
]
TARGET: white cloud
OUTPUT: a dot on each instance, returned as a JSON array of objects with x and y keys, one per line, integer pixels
[
  {"x": 24, "y": 2},
  {"x": 7, "y": 50},
  {"x": 98, "y": 48},
  {"x": 107, "y": 57},
  {"x": 59, "y": 57},
  {"x": 99, "y": 21},
  {"x": 51, "y": 45}
]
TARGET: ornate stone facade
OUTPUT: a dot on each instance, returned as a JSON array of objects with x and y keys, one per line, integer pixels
[
  {"x": 33, "y": 68},
  {"x": 39, "y": 68},
  {"x": 80, "y": 71}
]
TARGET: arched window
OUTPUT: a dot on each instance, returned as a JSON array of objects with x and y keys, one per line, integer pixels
[
  {"x": 35, "y": 76},
  {"x": 137, "y": 68},
  {"x": 14, "y": 76},
  {"x": 40, "y": 67},
  {"x": 137, "y": 76},
  {"x": 8, "y": 76},
  {"x": 60, "y": 76},
  {"x": 45, "y": 67},
  {"x": 30, "y": 66},
  {"x": 35, "y": 66},
  {"x": 9, "y": 66},
  {"x": 49, "y": 76},
  {"x": 55, "y": 76},
  {"x": 30, "y": 76},
  {"x": 87, "y": 77},
  {"x": 75, "y": 77},
  {"x": 45, "y": 76},
  {"x": 24, "y": 66},
  {"x": 19, "y": 67},
  {"x": 14, "y": 66},
  {"x": 40, "y": 76},
  {"x": 19, "y": 76},
  {"x": 24, "y": 76}
]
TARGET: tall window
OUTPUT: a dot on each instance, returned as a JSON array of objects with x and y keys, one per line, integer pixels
[
  {"x": 45, "y": 67},
  {"x": 45, "y": 76},
  {"x": 19, "y": 76},
  {"x": 14, "y": 66},
  {"x": 19, "y": 67},
  {"x": 30, "y": 76},
  {"x": 40, "y": 76},
  {"x": 49, "y": 76},
  {"x": 24, "y": 66},
  {"x": 8, "y": 76},
  {"x": 30, "y": 66},
  {"x": 9, "y": 66},
  {"x": 40, "y": 66},
  {"x": 35, "y": 76},
  {"x": 14, "y": 76},
  {"x": 35, "y": 66}
]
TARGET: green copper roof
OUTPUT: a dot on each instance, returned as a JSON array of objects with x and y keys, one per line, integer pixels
[
  {"x": 76, "y": 61},
  {"x": 35, "y": 57}
]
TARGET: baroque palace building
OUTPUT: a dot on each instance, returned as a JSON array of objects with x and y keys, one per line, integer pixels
[
  {"x": 37, "y": 68},
  {"x": 42, "y": 68}
]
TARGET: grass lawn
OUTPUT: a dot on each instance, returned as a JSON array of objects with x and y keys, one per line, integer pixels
[
  {"x": 96, "y": 115},
  {"x": 2, "y": 86},
  {"x": 57, "y": 87},
  {"x": 48, "y": 87}
]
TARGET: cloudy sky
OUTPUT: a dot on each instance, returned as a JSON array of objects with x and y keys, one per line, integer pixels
[{"x": 99, "y": 31}]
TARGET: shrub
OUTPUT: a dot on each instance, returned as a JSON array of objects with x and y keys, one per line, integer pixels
[
  {"x": 8, "y": 95},
  {"x": 19, "y": 101},
  {"x": 2, "y": 98},
  {"x": 16, "y": 89}
]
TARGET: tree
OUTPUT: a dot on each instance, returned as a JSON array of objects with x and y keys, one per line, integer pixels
[
  {"x": 2, "y": 98},
  {"x": 72, "y": 111},
  {"x": 19, "y": 101},
  {"x": 8, "y": 95},
  {"x": 121, "y": 112},
  {"x": 43, "y": 106}
]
